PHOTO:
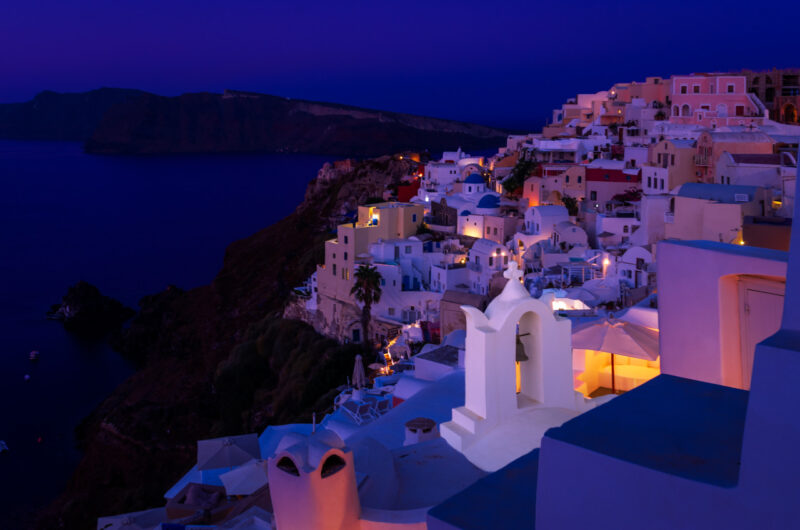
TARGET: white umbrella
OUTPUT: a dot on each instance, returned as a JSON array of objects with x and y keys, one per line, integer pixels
[
  {"x": 359, "y": 377},
  {"x": 227, "y": 452},
  {"x": 617, "y": 337},
  {"x": 245, "y": 479}
]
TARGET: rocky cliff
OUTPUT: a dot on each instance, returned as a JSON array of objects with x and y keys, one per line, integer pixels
[
  {"x": 245, "y": 122},
  {"x": 54, "y": 116},
  {"x": 218, "y": 360}
]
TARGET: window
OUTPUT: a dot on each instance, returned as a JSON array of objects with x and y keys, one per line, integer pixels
[
  {"x": 345, "y": 240},
  {"x": 593, "y": 196},
  {"x": 672, "y": 160},
  {"x": 491, "y": 261},
  {"x": 662, "y": 184},
  {"x": 740, "y": 110},
  {"x": 649, "y": 182},
  {"x": 566, "y": 179},
  {"x": 413, "y": 218},
  {"x": 579, "y": 179},
  {"x": 625, "y": 228},
  {"x": 495, "y": 231},
  {"x": 627, "y": 177},
  {"x": 332, "y": 464},
  {"x": 391, "y": 311},
  {"x": 684, "y": 89},
  {"x": 469, "y": 188},
  {"x": 334, "y": 269},
  {"x": 686, "y": 110},
  {"x": 606, "y": 176},
  {"x": 383, "y": 282},
  {"x": 505, "y": 260},
  {"x": 659, "y": 158},
  {"x": 345, "y": 256},
  {"x": 488, "y": 230},
  {"x": 287, "y": 465},
  {"x": 696, "y": 89},
  {"x": 408, "y": 249},
  {"x": 478, "y": 259},
  {"x": 730, "y": 88}
]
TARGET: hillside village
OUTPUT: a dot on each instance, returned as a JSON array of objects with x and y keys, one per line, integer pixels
[{"x": 525, "y": 316}]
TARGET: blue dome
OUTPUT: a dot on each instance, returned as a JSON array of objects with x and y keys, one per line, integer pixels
[
  {"x": 474, "y": 178},
  {"x": 465, "y": 212},
  {"x": 489, "y": 201}
]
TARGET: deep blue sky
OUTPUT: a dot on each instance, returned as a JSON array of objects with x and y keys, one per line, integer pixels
[{"x": 504, "y": 63}]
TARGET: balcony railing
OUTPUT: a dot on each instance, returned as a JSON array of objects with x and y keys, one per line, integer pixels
[{"x": 701, "y": 160}]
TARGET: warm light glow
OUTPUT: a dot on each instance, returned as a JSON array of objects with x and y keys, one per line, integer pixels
[
  {"x": 741, "y": 242},
  {"x": 519, "y": 379}
]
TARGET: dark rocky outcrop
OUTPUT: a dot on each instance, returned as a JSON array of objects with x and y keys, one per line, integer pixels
[
  {"x": 218, "y": 360},
  {"x": 56, "y": 116},
  {"x": 245, "y": 122},
  {"x": 86, "y": 311}
]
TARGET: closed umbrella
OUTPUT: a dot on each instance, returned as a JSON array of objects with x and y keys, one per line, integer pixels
[
  {"x": 245, "y": 479},
  {"x": 359, "y": 377},
  {"x": 617, "y": 337}
]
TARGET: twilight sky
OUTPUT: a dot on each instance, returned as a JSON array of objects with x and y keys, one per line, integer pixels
[{"x": 501, "y": 63}]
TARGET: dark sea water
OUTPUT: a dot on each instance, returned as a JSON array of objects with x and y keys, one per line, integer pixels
[{"x": 130, "y": 226}]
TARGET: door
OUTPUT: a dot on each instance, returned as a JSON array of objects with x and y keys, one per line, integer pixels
[{"x": 760, "y": 312}]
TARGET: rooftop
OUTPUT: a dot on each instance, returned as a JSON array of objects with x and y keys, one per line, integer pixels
[
  {"x": 728, "y": 248},
  {"x": 443, "y": 355},
  {"x": 678, "y": 426},
  {"x": 780, "y": 159},
  {"x": 725, "y": 193},
  {"x": 504, "y": 499}
]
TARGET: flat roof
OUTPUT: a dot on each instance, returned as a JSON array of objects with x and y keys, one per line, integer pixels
[
  {"x": 447, "y": 355},
  {"x": 504, "y": 499},
  {"x": 679, "y": 426},
  {"x": 728, "y": 248}
]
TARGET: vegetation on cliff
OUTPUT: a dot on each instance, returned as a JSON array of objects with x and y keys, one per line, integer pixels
[{"x": 218, "y": 360}]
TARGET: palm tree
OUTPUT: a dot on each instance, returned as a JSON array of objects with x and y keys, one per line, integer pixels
[{"x": 367, "y": 290}]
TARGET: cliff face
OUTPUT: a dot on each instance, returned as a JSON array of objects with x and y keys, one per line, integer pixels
[
  {"x": 217, "y": 360},
  {"x": 54, "y": 116},
  {"x": 237, "y": 122}
]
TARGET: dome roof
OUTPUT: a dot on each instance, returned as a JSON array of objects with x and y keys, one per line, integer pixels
[
  {"x": 489, "y": 201},
  {"x": 465, "y": 212},
  {"x": 474, "y": 178}
]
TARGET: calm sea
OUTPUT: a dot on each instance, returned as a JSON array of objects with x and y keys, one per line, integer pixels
[{"x": 130, "y": 226}]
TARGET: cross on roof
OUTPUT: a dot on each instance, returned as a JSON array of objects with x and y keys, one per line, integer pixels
[{"x": 513, "y": 272}]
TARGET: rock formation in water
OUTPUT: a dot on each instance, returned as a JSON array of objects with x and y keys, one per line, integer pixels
[{"x": 86, "y": 311}]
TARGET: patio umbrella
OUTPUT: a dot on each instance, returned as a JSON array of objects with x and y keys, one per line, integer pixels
[
  {"x": 245, "y": 479},
  {"x": 617, "y": 337},
  {"x": 227, "y": 452},
  {"x": 359, "y": 378}
]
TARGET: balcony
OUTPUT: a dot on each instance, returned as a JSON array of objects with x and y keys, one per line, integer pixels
[
  {"x": 669, "y": 217},
  {"x": 702, "y": 160}
]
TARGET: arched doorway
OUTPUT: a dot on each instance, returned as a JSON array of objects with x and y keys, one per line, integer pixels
[{"x": 789, "y": 113}]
